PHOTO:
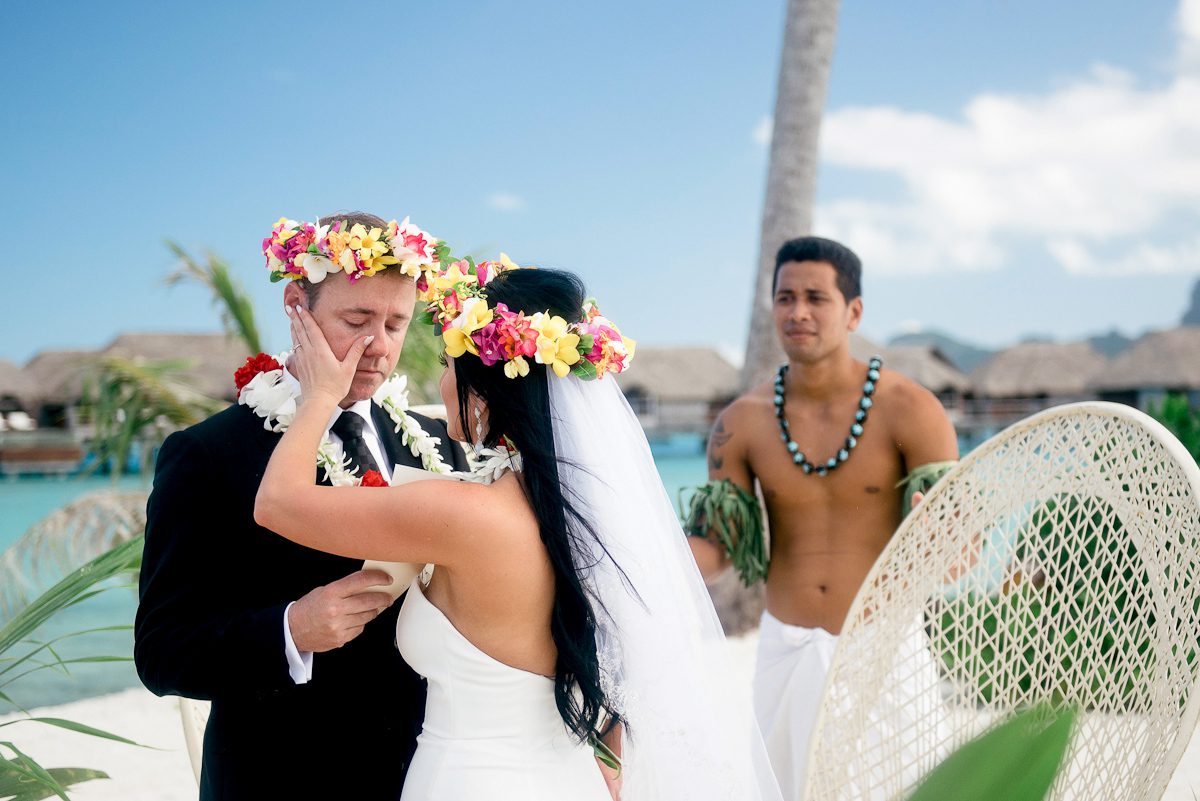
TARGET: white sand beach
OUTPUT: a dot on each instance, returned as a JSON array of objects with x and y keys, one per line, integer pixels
[{"x": 165, "y": 774}]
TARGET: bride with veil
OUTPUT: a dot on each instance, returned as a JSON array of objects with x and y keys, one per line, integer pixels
[{"x": 564, "y": 616}]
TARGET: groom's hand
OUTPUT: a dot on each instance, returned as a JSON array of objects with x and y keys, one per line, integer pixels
[{"x": 333, "y": 615}]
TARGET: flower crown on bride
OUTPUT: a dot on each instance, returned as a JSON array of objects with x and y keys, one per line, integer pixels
[
  {"x": 456, "y": 305},
  {"x": 298, "y": 250}
]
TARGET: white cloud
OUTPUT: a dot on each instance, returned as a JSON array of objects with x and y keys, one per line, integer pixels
[
  {"x": 1141, "y": 259},
  {"x": 1097, "y": 165},
  {"x": 505, "y": 201},
  {"x": 1188, "y": 21},
  {"x": 762, "y": 132}
]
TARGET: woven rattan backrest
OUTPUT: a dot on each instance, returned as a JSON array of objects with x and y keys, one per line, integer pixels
[{"x": 1058, "y": 562}]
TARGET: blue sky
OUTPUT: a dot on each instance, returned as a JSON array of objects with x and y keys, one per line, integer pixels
[{"x": 1004, "y": 167}]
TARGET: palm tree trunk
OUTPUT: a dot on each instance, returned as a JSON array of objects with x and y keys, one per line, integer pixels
[{"x": 809, "y": 34}]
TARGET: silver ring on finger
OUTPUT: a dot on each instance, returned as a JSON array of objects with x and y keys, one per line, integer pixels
[{"x": 296, "y": 348}]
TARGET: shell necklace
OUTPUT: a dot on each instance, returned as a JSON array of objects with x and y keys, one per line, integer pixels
[{"x": 856, "y": 430}]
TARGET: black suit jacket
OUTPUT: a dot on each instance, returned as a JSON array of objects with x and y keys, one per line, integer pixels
[{"x": 214, "y": 586}]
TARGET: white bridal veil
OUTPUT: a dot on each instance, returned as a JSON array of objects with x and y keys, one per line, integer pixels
[{"x": 661, "y": 647}]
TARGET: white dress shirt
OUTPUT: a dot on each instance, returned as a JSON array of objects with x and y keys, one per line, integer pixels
[{"x": 300, "y": 662}]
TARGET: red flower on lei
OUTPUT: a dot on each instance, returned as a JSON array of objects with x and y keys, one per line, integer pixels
[
  {"x": 373, "y": 478},
  {"x": 258, "y": 363}
]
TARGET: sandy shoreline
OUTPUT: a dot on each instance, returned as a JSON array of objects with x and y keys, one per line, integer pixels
[{"x": 163, "y": 772}]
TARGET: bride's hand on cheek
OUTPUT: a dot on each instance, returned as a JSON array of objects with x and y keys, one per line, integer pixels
[{"x": 319, "y": 371}]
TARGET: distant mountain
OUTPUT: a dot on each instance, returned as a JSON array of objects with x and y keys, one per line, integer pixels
[
  {"x": 1111, "y": 344},
  {"x": 963, "y": 356},
  {"x": 1192, "y": 315}
]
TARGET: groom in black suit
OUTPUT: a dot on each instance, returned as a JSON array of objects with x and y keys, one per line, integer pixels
[{"x": 310, "y": 698}]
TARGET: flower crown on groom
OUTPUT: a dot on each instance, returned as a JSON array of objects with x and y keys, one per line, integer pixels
[{"x": 296, "y": 250}]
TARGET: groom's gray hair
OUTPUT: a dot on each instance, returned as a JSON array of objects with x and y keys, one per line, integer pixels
[{"x": 311, "y": 290}]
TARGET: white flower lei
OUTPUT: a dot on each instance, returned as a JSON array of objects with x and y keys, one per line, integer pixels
[{"x": 269, "y": 397}]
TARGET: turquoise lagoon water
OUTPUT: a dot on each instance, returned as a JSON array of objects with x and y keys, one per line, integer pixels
[{"x": 25, "y": 501}]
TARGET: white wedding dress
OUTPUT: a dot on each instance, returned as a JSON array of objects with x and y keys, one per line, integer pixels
[{"x": 491, "y": 731}]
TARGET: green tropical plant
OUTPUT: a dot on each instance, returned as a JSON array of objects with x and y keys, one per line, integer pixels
[
  {"x": 235, "y": 305},
  {"x": 134, "y": 404},
  {"x": 22, "y": 778},
  {"x": 1060, "y": 616},
  {"x": 1181, "y": 419},
  {"x": 1015, "y": 761}
]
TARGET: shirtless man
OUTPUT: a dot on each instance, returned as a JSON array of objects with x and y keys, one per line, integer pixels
[{"x": 832, "y": 499}]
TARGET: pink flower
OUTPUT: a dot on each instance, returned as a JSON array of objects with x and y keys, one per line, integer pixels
[
  {"x": 418, "y": 243},
  {"x": 491, "y": 349},
  {"x": 519, "y": 337}
]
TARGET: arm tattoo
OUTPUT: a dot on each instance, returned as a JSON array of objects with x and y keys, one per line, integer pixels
[{"x": 716, "y": 441}]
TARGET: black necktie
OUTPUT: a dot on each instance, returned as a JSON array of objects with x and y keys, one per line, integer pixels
[{"x": 349, "y": 427}]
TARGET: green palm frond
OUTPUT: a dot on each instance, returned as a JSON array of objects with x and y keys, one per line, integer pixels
[
  {"x": 22, "y": 777},
  {"x": 236, "y": 307},
  {"x": 134, "y": 403},
  {"x": 124, "y": 558},
  {"x": 57, "y": 544},
  {"x": 1015, "y": 761}
]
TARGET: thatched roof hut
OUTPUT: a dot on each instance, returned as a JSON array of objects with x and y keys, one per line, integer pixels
[
  {"x": 15, "y": 383},
  {"x": 863, "y": 349},
  {"x": 928, "y": 366},
  {"x": 924, "y": 364},
  {"x": 1163, "y": 360},
  {"x": 681, "y": 375},
  {"x": 58, "y": 375},
  {"x": 211, "y": 359},
  {"x": 1039, "y": 369}
]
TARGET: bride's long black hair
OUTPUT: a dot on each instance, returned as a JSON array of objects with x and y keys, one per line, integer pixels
[{"x": 520, "y": 409}]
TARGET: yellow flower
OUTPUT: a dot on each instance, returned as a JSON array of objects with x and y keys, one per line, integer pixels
[
  {"x": 555, "y": 347},
  {"x": 458, "y": 342},
  {"x": 371, "y": 249},
  {"x": 287, "y": 231},
  {"x": 475, "y": 315},
  {"x": 439, "y": 284},
  {"x": 517, "y": 367},
  {"x": 550, "y": 327}
]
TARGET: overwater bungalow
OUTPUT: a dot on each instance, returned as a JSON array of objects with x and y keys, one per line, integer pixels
[
  {"x": 51, "y": 386},
  {"x": 1029, "y": 377},
  {"x": 58, "y": 378},
  {"x": 210, "y": 359},
  {"x": 930, "y": 368},
  {"x": 17, "y": 389},
  {"x": 678, "y": 392},
  {"x": 1158, "y": 363}
]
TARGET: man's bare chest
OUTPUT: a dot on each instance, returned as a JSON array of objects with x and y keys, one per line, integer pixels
[{"x": 869, "y": 473}]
